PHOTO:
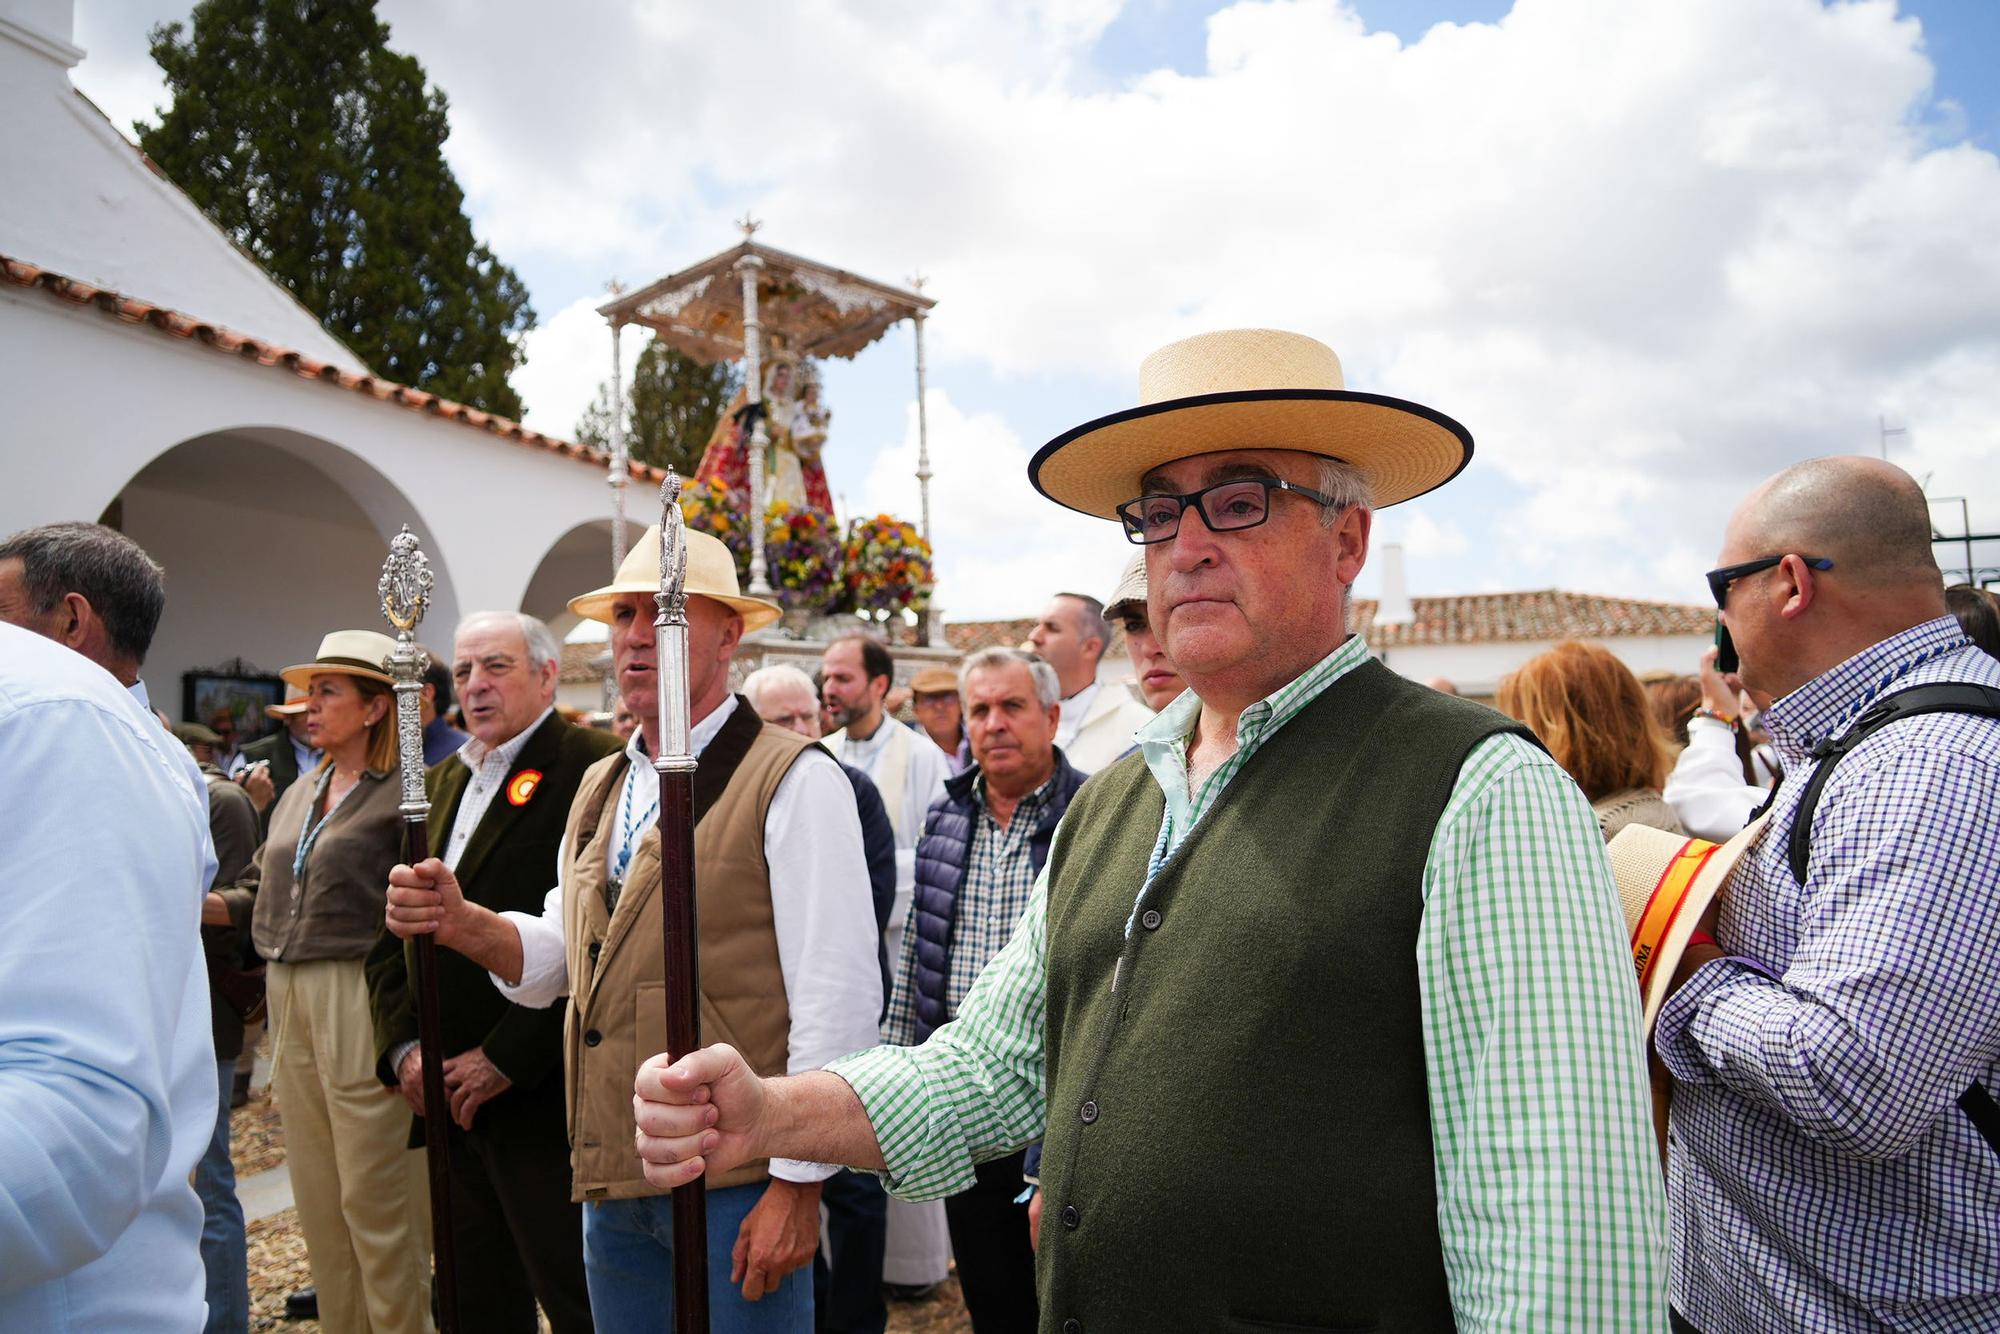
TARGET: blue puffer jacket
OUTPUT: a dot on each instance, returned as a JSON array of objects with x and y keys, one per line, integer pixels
[{"x": 941, "y": 859}]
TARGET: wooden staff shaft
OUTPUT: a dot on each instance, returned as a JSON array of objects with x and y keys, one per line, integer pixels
[
  {"x": 683, "y": 991},
  {"x": 437, "y": 1109}
]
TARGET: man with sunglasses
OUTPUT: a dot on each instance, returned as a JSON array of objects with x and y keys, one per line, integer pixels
[
  {"x": 1834, "y": 1045},
  {"x": 1323, "y": 998}
]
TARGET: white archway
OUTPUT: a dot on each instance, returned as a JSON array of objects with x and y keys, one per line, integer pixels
[
  {"x": 576, "y": 562},
  {"x": 270, "y": 538}
]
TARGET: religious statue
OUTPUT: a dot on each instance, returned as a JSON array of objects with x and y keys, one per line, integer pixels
[{"x": 795, "y": 427}]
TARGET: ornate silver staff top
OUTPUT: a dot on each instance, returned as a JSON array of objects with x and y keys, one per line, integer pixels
[
  {"x": 405, "y": 590},
  {"x": 670, "y": 636}
]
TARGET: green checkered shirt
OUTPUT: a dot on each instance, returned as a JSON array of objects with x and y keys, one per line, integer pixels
[
  {"x": 999, "y": 882},
  {"x": 1550, "y": 1204}
]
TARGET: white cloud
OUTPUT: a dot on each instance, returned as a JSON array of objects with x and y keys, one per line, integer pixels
[
  {"x": 1001, "y": 549},
  {"x": 568, "y": 358}
]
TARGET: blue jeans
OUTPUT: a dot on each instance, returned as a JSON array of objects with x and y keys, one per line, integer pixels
[
  {"x": 222, "y": 1244},
  {"x": 628, "y": 1259}
]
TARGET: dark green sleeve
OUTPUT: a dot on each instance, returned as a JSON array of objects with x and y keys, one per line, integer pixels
[
  {"x": 389, "y": 1002},
  {"x": 232, "y": 826},
  {"x": 527, "y": 1044}
]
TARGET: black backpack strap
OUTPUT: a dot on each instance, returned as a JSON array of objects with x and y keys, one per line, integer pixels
[
  {"x": 1948, "y": 697},
  {"x": 1983, "y": 1112},
  {"x": 1951, "y": 697}
]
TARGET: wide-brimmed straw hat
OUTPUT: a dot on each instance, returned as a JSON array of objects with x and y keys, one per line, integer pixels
[
  {"x": 934, "y": 681},
  {"x": 711, "y": 573},
  {"x": 1665, "y": 883},
  {"x": 350, "y": 652},
  {"x": 295, "y": 703},
  {"x": 1249, "y": 389},
  {"x": 1131, "y": 588}
]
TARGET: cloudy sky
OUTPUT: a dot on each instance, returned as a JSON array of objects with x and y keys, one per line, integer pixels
[{"x": 1648, "y": 252}]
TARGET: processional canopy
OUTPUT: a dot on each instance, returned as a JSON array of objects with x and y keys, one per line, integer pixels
[{"x": 810, "y": 309}]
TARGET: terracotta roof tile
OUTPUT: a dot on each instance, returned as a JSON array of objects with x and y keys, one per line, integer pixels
[
  {"x": 1484, "y": 618},
  {"x": 20, "y": 273},
  {"x": 972, "y": 636}
]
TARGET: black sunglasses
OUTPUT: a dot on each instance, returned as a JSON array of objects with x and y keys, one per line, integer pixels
[
  {"x": 1720, "y": 580},
  {"x": 1225, "y": 507}
]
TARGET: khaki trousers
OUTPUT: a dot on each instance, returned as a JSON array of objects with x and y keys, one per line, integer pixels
[{"x": 361, "y": 1195}]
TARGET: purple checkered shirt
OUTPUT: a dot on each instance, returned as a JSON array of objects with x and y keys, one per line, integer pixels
[{"x": 1821, "y": 1176}]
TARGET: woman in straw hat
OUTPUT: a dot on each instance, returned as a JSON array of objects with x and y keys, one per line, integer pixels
[
  {"x": 313, "y": 900},
  {"x": 1593, "y": 715}
]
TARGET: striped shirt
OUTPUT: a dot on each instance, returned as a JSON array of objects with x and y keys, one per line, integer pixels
[
  {"x": 1822, "y": 1177},
  {"x": 1550, "y": 1209},
  {"x": 999, "y": 880}
]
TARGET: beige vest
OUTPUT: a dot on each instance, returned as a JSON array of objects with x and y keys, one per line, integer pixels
[{"x": 617, "y": 969}]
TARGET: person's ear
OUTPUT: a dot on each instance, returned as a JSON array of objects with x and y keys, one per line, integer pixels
[{"x": 1795, "y": 581}]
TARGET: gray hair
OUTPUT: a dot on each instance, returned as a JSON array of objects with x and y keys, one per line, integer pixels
[
  {"x": 124, "y": 586},
  {"x": 543, "y": 646},
  {"x": 777, "y": 674},
  {"x": 1047, "y": 688},
  {"x": 1348, "y": 487}
]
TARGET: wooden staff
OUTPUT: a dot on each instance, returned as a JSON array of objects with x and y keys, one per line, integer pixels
[
  {"x": 405, "y": 589},
  {"x": 674, "y": 763}
]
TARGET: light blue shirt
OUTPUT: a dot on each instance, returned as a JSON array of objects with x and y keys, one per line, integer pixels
[{"x": 107, "y": 1068}]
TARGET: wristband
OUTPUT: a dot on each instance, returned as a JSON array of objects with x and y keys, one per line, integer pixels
[
  {"x": 1702, "y": 938},
  {"x": 1712, "y": 715}
]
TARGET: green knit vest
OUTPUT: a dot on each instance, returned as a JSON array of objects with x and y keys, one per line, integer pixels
[{"x": 1239, "y": 1132}]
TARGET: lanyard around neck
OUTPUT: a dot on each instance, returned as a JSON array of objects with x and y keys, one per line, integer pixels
[
  {"x": 315, "y": 828},
  {"x": 629, "y": 824}
]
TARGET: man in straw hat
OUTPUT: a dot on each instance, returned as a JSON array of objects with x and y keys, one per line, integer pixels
[
  {"x": 788, "y": 955},
  {"x": 1326, "y": 987},
  {"x": 1834, "y": 1048}
]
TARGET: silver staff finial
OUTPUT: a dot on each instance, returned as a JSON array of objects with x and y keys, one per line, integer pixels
[
  {"x": 406, "y": 584},
  {"x": 672, "y": 597},
  {"x": 405, "y": 590}
]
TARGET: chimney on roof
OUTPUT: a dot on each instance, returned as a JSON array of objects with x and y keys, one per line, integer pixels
[
  {"x": 1395, "y": 608},
  {"x": 45, "y": 27}
]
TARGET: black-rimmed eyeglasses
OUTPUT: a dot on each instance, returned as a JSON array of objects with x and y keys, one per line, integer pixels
[
  {"x": 1720, "y": 580},
  {"x": 1225, "y": 507}
]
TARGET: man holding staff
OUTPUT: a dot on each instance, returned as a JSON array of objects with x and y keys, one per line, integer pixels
[
  {"x": 786, "y": 939},
  {"x": 1328, "y": 986}
]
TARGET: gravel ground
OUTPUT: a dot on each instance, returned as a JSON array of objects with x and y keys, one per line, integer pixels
[{"x": 278, "y": 1253}]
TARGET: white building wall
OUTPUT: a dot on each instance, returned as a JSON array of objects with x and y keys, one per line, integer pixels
[{"x": 91, "y": 402}]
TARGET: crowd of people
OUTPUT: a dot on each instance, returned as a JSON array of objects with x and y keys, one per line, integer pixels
[{"x": 1266, "y": 989}]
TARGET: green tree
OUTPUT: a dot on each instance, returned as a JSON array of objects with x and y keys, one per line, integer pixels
[
  {"x": 320, "y": 152},
  {"x": 670, "y": 410}
]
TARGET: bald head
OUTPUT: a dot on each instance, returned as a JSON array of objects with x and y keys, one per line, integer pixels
[{"x": 1866, "y": 515}]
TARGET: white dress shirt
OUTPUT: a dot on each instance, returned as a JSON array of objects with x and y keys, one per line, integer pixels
[
  {"x": 925, "y": 769},
  {"x": 489, "y": 770},
  {"x": 107, "y": 1071},
  {"x": 1706, "y": 788},
  {"x": 821, "y": 911},
  {"x": 1074, "y": 710}
]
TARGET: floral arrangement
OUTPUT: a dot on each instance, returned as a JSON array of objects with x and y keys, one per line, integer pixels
[
  {"x": 802, "y": 553},
  {"x": 710, "y": 506},
  {"x": 885, "y": 567}
]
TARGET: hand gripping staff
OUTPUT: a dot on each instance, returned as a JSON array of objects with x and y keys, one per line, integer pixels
[
  {"x": 405, "y": 590},
  {"x": 675, "y": 765}
]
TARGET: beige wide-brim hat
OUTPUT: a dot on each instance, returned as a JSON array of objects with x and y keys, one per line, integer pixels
[
  {"x": 934, "y": 681},
  {"x": 1131, "y": 588},
  {"x": 353, "y": 652},
  {"x": 711, "y": 573},
  {"x": 295, "y": 703},
  {"x": 1249, "y": 389},
  {"x": 1665, "y": 883}
]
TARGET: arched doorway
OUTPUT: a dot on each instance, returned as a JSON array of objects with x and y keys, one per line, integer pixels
[
  {"x": 270, "y": 539},
  {"x": 577, "y": 562}
]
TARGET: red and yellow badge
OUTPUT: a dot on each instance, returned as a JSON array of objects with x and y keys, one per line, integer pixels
[{"x": 523, "y": 786}]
